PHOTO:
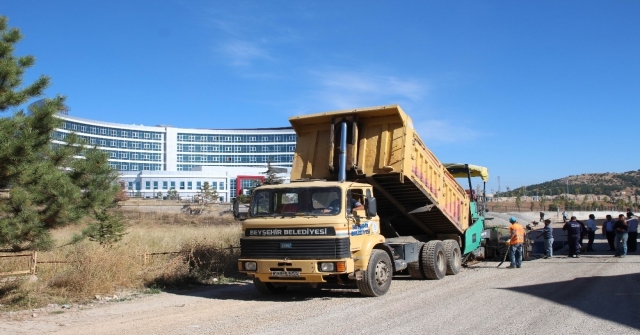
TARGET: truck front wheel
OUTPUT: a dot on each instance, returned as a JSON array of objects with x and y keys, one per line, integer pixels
[
  {"x": 376, "y": 280},
  {"x": 454, "y": 258},
  {"x": 268, "y": 288},
  {"x": 434, "y": 261}
]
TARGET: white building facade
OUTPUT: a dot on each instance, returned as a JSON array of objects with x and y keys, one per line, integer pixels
[{"x": 156, "y": 159}]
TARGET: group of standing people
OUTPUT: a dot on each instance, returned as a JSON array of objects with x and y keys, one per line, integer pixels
[{"x": 622, "y": 235}]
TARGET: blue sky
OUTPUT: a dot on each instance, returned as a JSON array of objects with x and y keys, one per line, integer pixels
[{"x": 534, "y": 90}]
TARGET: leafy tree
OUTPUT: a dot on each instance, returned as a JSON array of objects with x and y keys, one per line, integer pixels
[
  {"x": 48, "y": 186},
  {"x": 518, "y": 201},
  {"x": 172, "y": 194}
]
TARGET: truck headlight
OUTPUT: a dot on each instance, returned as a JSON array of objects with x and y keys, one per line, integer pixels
[
  {"x": 250, "y": 266},
  {"x": 327, "y": 267}
]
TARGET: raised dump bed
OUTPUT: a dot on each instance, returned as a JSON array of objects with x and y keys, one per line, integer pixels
[{"x": 416, "y": 194}]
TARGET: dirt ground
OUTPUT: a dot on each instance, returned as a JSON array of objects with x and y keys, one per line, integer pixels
[{"x": 592, "y": 294}]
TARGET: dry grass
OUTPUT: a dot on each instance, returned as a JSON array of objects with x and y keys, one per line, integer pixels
[{"x": 195, "y": 251}]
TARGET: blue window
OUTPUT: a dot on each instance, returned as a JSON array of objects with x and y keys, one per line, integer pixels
[
  {"x": 198, "y": 185},
  {"x": 147, "y": 185},
  {"x": 189, "y": 185},
  {"x": 155, "y": 185},
  {"x": 182, "y": 185},
  {"x": 164, "y": 185},
  {"x": 131, "y": 185},
  {"x": 173, "y": 185},
  {"x": 221, "y": 185}
]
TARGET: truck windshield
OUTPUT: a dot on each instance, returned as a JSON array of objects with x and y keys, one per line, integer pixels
[{"x": 296, "y": 201}]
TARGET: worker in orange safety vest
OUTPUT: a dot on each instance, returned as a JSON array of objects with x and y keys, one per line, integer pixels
[{"x": 517, "y": 240}]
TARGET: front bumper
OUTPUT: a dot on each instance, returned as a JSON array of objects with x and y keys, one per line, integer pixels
[{"x": 308, "y": 270}]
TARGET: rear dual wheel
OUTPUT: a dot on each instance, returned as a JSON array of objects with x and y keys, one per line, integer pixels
[
  {"x": 433, "y": 260},
  {"x": 437, "y": 259},
  {"x": 454, "y": 256}
]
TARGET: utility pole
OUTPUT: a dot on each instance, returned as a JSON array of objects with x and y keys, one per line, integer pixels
[{"x": 498, "y": 184}]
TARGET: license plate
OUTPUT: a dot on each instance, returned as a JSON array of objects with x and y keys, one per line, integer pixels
[{"x": 285, "y": 273}]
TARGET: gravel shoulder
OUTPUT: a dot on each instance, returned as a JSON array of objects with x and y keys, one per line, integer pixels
[{"x": 596, "y": 293}]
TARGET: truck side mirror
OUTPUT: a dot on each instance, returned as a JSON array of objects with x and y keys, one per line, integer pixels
[{"x": 372, "y": 207}]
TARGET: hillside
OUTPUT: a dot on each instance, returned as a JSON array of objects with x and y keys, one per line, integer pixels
[{"x": 609, "y": 184}]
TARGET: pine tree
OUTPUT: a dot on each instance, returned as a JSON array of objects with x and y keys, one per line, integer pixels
[
  {"x": 204, "y": 197},
  {"x": 48, "y": 187},
  {"x": 207, "y": 194}
]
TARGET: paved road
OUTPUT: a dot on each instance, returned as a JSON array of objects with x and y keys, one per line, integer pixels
[{"x": 595, "y": 294}]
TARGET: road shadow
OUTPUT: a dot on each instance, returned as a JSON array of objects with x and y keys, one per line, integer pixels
[
  {"x": 245, "y": 291},
  {"x": 613, "y": 298}
]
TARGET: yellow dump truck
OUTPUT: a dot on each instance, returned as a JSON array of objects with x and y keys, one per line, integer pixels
[{"x": 367, "y": 200}]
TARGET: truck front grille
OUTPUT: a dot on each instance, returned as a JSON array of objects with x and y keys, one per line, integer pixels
[{"x": 295, "y": 249}]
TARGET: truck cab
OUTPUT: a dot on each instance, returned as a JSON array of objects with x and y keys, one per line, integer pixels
[{"x": 310, "y": 232}]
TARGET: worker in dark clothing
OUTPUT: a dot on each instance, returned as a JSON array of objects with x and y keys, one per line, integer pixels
[{"x": 574, "y": 234}]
